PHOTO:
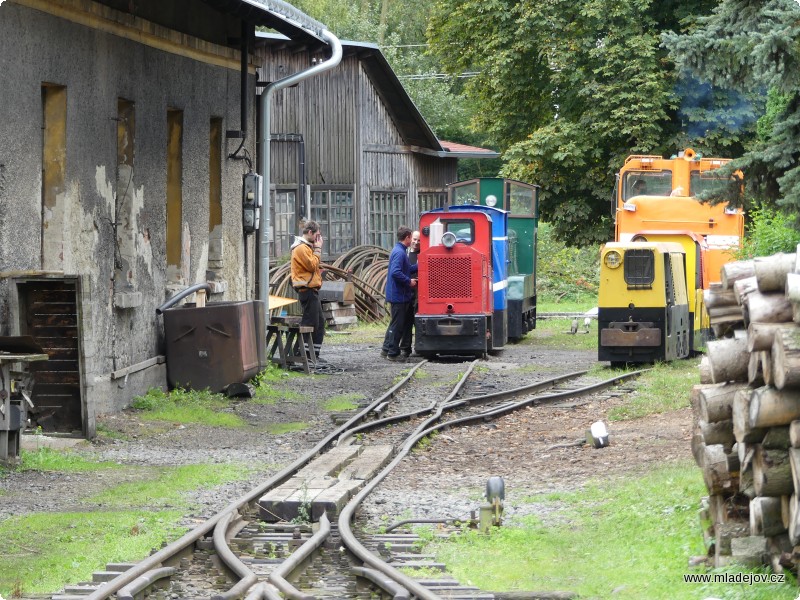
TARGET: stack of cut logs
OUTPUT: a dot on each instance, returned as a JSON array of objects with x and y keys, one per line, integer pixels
[{"x": 747, "y": 414}]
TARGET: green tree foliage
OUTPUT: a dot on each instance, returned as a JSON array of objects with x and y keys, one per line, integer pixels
[
  {"x": 398, "y": 27},
  {"x": 752, "y": 46},
  {"x": 568, "y": 90}
]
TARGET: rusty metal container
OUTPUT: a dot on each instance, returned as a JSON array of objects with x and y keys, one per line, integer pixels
[{"x": 214, "y": 345}]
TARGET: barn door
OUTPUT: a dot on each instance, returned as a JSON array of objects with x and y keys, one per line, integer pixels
[{"x": 50, "y": 315}]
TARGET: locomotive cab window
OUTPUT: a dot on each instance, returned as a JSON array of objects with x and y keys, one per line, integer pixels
[
  {"x": 639, "y": 269},
  {"x": 520, "y": 199},
  {"x": 466, "y": 194},
  {"x": 463, "y": 230},
  {"x": 647, "y": 183},
  {"x": 708, "y": 183}
]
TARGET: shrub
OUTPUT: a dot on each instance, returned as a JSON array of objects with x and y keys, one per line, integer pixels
[
  {"x": 565, "y": 273},
  {"x": 769, "y": 231}
]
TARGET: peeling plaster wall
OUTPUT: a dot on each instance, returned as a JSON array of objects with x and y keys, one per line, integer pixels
[{"x": 97, "y": 69}]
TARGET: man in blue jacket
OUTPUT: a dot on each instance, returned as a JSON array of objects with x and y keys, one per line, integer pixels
[{"x": 400, "y": 294}]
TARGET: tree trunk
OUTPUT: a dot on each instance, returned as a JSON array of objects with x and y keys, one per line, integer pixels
[
  {"x": 720, "y": 432},
  {"x": 716, "y": 401},
  {"x": 771, "y": 271},
  {"x": 765, "y": 516},
  {"x": 750, "y": 551},
  {"x": 698, "y": 447},
  {"x": 794, "y": 434},
  {"x": 729, "y": 360},
  {"x": 734, "y": 271},
  {"x": 777, "y": 438},
  {"x": 760, "y": 336},
  {"x": 793, "y": 287},
  {"x": 772, "y": 472},
  {"x": 715, "y": 297},
  {"x": 770, "y": 407},
  {"x": 786, "y": 358},
  {"x": 794, "y": 462},
  {"x": 705, "y": 371},
  {"x": 766, "y": 366},
  {"x": 715, "y": 470},
  {"x": 723, "y": 534},
  {"x": 794, "y": 515},
  {"x": 742, "y": 288},
  {"x": 767, "y": 308},
  {"x": 742, "y": 430},
  {"x": 755, "y": 372}
]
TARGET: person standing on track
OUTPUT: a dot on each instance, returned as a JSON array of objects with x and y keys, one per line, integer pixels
[
  {"x": 406, "y": 348},
  {"x": 400, "y": 294},
  {"x": 306, "y": 280}
]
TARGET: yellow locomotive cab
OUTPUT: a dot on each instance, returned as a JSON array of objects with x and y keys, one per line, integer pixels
[{"x": 643, "y": 309}]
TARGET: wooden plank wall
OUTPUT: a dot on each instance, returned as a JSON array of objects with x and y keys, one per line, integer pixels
[{"x": 342, "y": 120}]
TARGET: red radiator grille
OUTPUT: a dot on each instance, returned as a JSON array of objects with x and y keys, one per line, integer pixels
[{"x": 449, "y": 277}]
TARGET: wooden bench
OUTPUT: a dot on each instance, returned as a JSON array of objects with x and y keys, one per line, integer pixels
[{"x": 287, "y": 341}]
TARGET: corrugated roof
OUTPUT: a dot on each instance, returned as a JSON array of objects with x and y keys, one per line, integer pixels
[{"x": 275, "y": 14}]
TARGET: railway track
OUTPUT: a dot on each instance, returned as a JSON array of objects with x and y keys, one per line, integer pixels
[{"x": 296, "y": 536}]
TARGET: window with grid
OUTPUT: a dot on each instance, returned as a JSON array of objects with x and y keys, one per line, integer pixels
[
  {"x": 284, "y": 223},
  {"x": 639, "y": 269},
  {"x": 334, "y": 210},
  {"x": 428, "y": 201},
  {"x": 387, "y": 212}
]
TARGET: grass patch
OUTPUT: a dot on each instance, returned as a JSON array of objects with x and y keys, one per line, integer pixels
[
  {"x": 579, "y": 304},
  {"x": 667, "y": 386},
  {"x": 267, "y": 386},
  {"x": 554, "y": 333},
  {"x": 42, "y": 552},
  {"x": 186, "y": 406},
  {"x": 281, "y": 428},
  {"x": 361, "y": 333},
  {"x": 343, "y": 402},
  {"x": 168, "y": 487},
  {"x": 625, "y": 540},
  {"x": 104, "y": 431},
  {"x": 47, "y": 459}
]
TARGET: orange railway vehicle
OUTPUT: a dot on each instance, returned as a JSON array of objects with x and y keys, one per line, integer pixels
[{"x": 656, "y": 194}]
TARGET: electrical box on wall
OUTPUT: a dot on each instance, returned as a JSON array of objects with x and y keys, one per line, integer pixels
[{"x": 251, "y": 201}]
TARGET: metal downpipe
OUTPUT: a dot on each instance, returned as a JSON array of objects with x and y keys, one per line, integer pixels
[
  {"x": 264, "y": 159},
  {"x": 181, "y": 295}
]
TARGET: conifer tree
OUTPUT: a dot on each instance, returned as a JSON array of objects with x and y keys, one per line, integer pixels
[{"x": 754, "y": 46}]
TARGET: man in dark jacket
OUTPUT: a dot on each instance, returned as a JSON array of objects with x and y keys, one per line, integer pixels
[
  {"x": 400, "y": 294},
  {"x": 406, "y": 342}
]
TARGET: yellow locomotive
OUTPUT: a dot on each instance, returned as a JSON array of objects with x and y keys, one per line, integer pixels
[
  {"x": 643, "y": 310},
  {"x": 668, "y": 248}
]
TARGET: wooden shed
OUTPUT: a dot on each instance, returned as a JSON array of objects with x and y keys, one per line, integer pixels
[{"x": 349, "y": 149}]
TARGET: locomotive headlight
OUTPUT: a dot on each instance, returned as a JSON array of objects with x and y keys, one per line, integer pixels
[
  {"x": 449, "y": 239},
  {"x": 612, "y": 259}
]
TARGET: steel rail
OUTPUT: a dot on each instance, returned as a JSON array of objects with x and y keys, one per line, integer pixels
[
  {"x": 382, "y": 581},
  {"x": 143, "y": 582},
  {"x": 192, "y": 536},
  {"x": 246, "y": 577},
  {"x": 279, "y": 575},
  {"x": 422, "y": 431},
  {"x": 346, "y": 515},
  {"x": 347, "y": 435}
]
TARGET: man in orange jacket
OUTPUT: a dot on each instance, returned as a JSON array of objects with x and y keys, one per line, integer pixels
[{"x": 307, "y": 279}]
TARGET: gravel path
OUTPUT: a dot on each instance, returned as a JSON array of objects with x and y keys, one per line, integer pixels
[{"x": 529, "y": 449}]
